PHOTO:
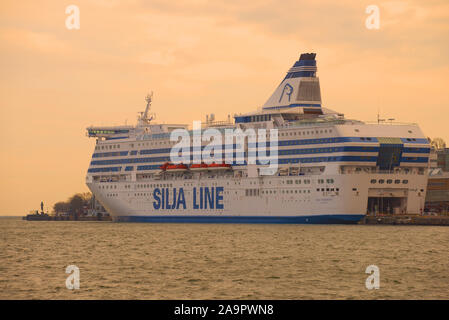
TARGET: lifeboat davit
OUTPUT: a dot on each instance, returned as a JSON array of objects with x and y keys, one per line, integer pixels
[
  {"x": 219, "y": 166},
  {"x": 176, "y": 167},
  {"x": 198, "y": 166}
]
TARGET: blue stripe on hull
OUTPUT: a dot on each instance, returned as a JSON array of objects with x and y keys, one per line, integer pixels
[{"x": 318, "y": 219}]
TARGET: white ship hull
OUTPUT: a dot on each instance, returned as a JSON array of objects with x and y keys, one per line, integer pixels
[{"x": 292, "y": 203}]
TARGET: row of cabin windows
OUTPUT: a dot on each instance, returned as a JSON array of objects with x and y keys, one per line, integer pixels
[
  {"x": 139, "y": 186},
  {"x": 306, "y": 181},
  {"x": 294, "y": 191},
  {"x": 389, "y": 181},
  {"x": 223, "y": 151},
  {"x": 108, "y": 147},
  {"x": 154, "y": 143},
  {"x": 108, "y": 187},
  {"x": 158, "y": 185},
  {"x": 255, "y": 192},
  {"x": 131, "y": 145},
  {"x": 165, "y": 185},
  {"x": 284, "y": 191},
  {"x": 305, "y": 151},
  {"x": 248, "y": 192},
  {"x": 321, "y": 181},
  {"x": 252, "y": 192},
  {"x": 282, "y": 134},
  {"x": 294, "y": 133},
  {"x": 328, "y": 189},
  {"x": 263, "y": 117}
]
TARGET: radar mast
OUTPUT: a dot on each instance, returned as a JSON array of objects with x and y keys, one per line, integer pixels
[{"x": 146, "y": 117}]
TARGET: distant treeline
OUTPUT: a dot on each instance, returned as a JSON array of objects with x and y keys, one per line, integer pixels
[{"x": 76, "y": 204}]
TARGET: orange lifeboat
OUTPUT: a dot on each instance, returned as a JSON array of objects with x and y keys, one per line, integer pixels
[
  {"x": 219, "y": 166},
  {"x": 176, "y": 167},
  {"x": 198, "y": 166}
]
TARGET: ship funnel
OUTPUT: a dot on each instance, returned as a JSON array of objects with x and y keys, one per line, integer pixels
[{"x": 299, "y": 89}]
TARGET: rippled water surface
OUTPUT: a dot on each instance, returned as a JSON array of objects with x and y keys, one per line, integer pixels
[{"x": 221, "y": 261}]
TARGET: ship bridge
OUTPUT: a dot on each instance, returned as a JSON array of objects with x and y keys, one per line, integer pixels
[{"x": 108, "y": 132}]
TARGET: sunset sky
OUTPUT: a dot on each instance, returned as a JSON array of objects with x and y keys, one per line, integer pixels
[{"x": 198, "y": 57}]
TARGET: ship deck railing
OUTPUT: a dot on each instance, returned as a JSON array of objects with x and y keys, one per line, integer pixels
[
  {"x": 396, "y": 123},
  {"x": 379, "y": 171},
  {"x": 217, "y": 123},
  {"x": 327, "y": 121}
]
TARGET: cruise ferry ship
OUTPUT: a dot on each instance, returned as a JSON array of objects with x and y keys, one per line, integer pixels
[{"x": 328, "y": 169}]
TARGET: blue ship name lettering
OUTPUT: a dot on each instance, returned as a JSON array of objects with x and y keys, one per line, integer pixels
[{"x": 174, "y": 198}]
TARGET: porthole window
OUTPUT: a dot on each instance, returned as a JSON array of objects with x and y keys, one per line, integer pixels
[
  {"x": 373, "y": 181},
  {"x": 381, "y": 181},
  {"x": 404, "y": 181}
]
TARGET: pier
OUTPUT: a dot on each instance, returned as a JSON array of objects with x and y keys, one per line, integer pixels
[
  {"x": 46, "y": 217},
  {"x": 415, "y": 220}
]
